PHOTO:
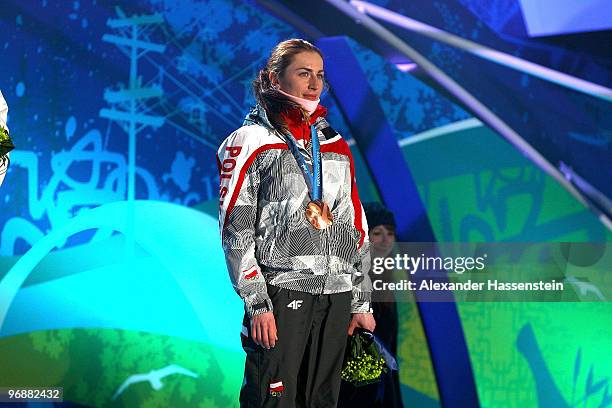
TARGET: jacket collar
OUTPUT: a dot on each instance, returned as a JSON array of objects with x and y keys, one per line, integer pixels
[{"x": 257, "y": 116}]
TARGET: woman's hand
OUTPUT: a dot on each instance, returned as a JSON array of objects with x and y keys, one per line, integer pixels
[
  {"x": 363, "y": 320},
  {"x": 263, "y": 330}
]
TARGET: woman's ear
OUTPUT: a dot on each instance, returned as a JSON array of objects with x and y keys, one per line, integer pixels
[{"x": 273, "y": 79}]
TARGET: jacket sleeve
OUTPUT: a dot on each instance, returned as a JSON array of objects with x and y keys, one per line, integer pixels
[
  {"x": 239, "y": 186},
  {"x": 362, "y": 285},
  {"x": 3, "y": 118},
  {"x": 3, "y": 111}
]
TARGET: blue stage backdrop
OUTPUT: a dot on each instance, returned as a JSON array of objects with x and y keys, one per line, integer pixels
[{"x": 128, "y": 303}]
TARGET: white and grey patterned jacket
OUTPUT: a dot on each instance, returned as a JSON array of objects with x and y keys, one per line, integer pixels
[{"x": 265, "y": 235}]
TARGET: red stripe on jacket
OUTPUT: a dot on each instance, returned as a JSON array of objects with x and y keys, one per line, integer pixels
[
  {"x": 243, "y": 171},
  {"x": 341, "y": 147}
]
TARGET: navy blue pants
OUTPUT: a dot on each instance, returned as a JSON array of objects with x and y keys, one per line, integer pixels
[{"x": 303, "y": 369}]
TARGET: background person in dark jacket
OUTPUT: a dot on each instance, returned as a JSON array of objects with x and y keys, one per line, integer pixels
[{"x": 387, "y": 393}]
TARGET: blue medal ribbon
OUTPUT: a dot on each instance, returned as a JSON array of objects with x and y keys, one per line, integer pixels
[{"x": 313, "y": 179}]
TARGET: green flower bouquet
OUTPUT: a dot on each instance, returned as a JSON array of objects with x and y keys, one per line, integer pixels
[
  {"x": 6, "y": 145},
  {"x": 363, "y": 361}
]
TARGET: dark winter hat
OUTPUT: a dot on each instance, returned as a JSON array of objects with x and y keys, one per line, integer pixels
[{"x": 378, "y": 214}]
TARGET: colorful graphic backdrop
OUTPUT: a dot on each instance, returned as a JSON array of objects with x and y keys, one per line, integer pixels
[{"x": 129, "y": 304}]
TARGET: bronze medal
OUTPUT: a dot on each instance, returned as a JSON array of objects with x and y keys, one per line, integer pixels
[{"x": 319, "y": 214}]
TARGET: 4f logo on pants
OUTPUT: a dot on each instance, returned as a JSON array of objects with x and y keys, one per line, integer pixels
[{"x": 295, "y": 304}]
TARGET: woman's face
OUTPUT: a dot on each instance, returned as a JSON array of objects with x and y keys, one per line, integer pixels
[
  {"x": 382, "y": 238},
  {"x": 303, "y": 77}
]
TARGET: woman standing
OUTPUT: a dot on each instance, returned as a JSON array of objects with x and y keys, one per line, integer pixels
[{"x": 294, "y": 235}]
